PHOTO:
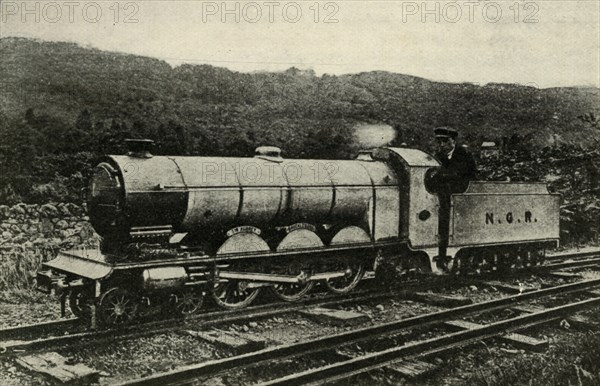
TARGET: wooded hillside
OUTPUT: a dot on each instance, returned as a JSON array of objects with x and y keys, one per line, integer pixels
[{"x": 63, "y": 105}]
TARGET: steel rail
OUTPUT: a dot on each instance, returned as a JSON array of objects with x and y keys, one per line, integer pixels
[
  {"x": 209, "y": 368},
  {"x": 590, "y": 261},
  {"x": 572, "y": 255},
  {"x": 277, "y": 307},
  {"x": 202, "y": 320},
  {"x": 584, "y": 259},
  {"x": 344, "y": 369},
  {"x": 30, "y": 329}
]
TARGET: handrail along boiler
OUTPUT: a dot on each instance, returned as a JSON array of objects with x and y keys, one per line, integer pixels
[{"x": 176, "y": 229}]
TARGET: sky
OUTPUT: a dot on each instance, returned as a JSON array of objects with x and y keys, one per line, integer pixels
[{"x": 545, "y": 43}]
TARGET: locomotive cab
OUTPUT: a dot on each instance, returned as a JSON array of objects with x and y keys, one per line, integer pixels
[{"x": 419, "y": 207}]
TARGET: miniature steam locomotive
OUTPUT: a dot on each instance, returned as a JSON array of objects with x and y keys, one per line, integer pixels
[{"x": 178, "y": 229}]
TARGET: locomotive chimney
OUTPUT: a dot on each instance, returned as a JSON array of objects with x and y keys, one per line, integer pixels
[
  {"x": 139, "y": 148},
  {"x": 269, "y": 153}
]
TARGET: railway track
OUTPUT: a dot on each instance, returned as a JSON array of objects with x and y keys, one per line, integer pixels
[
  {"x": 586, "y": 252},
  {"x": 587, "y": 263},
  {"x": 18, "y": 340},
  {"x": 47, "y": 335},
  {"x": 452, "y": 341},
  {"x": 362, "y": 363}
]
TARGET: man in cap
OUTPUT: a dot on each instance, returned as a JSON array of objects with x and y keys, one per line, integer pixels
[
  {"x": 457, "y": 169},
  {"x": 458, "y": 165}
]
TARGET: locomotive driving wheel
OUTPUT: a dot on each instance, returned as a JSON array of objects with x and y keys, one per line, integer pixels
[
  {"x": 189, "y": 301},
  {"x": 345, "y": 284},
  {"x": 292, "y": 292},
  {"x": 117, "y": 307},
  {"x": 79, "y": 302},
  {"x": 234, "y": 294}
]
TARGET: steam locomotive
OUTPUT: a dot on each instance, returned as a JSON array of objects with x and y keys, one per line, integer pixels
[{"x": 176, "y": 230}]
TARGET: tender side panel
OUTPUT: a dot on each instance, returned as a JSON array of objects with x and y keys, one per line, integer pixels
[
  {"x": 503, "y": 218},
  {"x": 499, "y": 187}
]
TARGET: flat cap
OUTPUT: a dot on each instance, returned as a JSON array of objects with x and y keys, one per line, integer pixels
[{"x": 446, "y": 132}]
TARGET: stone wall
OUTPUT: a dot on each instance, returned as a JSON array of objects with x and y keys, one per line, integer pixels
[
  {"x": 30, "y": 234},
  {"x": 46, "y": 225}
]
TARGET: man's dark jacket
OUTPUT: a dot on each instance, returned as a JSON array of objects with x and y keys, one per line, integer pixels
[{"x": 456, "y": 172}]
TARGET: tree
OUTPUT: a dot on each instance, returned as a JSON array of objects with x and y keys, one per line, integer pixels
[
  {"x": 84, "y": 121},
  {"x": 30, "y": 116}
]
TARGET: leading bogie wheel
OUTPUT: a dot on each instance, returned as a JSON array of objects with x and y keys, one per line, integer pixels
[
  {"x": 345, "y": 284},
  {"x": 117, "y": 307},
  {"x": 234, "y": 294},
  {"x": 80, "y": 302}
]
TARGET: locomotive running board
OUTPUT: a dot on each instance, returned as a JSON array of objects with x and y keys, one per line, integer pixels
[
  {"x": 273, "y": 278},
  {"x": 81, "y": 263}
]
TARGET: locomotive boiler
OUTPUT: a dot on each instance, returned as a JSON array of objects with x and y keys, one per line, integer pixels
[
  {"x": 141, "y": 197},
  {"x": 178, "y": 229}
]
